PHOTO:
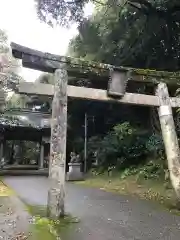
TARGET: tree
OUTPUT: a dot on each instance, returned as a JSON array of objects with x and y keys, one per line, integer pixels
[
  {"x": 61, "y": 11},
  {"x": 128, "y": 37},
  {"x": 64, "y": 12},
  {"x": 9, "y": 66},
  {"x": 17, "y": 101},
  {"x": 40, "y": 103},
  {"x": 139, "y": 36}
]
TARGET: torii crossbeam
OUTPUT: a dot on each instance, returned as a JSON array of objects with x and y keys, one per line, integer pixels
[{"x": 48, "y": 62}]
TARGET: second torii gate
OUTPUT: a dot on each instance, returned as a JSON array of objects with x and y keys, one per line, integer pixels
[{"x": 64, "y": 66}]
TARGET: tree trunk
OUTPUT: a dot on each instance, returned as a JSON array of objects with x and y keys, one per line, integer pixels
[
  {"x": 57, "y": 163},
  {"x": 169, "y": 137}
]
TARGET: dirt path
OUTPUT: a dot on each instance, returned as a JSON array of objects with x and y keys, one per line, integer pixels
[{"x": 14, "y": 219}]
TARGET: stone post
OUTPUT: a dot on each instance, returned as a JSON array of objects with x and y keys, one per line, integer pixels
[
  {"x": 169, "y": 136},
  {"x": 1, "y": 153},
  {"x": 57, "y": 163},
  {"x": 46, "y": 141},
  {"x": 1, "y": 149},
  {"x": 41, "y": 159}
]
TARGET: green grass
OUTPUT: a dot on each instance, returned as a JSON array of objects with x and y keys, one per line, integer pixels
[
  {"x": 46, "y": 229},
  {"x": 39, "y": 232},
  {"x": 37, "y": 210},
  {"x": 154, "y": 190},
  {"x": 5, "y": 190}
]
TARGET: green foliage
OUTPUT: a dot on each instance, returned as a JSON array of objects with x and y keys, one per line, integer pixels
[
  {"x": 26, "y": 152},
  {"x": 122, "y": 147},
  {"x": 126, "y": 147},
  {"x": 45, "y": 78},
  {"x": 30, "y": 152},
  {"x": 65, "y": 12},
  {"x": 155, "y": 145},
  {"x": 93, "y": 144},
  {"x": 153, "y": 169},
  {"x": 78, "y": 144},
  {"x": 17, "y": 101},
  {"x": 8, "y": 63},
  {"x": 9, "y": 66},
  {"x": 129, "y": 36},
  {"x": 47, "y": 229},
  {"x": 61, "y": 11}
]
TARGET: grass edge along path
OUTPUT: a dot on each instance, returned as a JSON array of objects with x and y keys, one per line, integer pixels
[
  {"x": 41, "y": 227},
  {"x": 48, "y": 229},
  {"x": 5, "y": 190}
]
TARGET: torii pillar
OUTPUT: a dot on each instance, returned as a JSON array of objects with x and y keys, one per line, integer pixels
[{"x": 56, "y": 194}]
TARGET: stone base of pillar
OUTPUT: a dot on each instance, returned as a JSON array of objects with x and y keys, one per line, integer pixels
[
  {"x": 41, "y": 169},
  {"x": 74, "y": 173}
]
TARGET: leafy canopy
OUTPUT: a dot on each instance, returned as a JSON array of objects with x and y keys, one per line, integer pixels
[
  {"x": 138, "y": 33},
  {"x": 63, "y": 11}
]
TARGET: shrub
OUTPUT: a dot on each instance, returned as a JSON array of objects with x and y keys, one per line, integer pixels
[
  {"x": 125, "y": 147},
  {"x": 152, "y": 170},
  {"x": 121, "y": 147},
  {"x": 155, "y": 146}
]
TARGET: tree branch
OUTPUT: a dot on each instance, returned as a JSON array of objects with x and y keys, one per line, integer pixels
[
  {"x": 142, "y": 2},
  {"x": 144, "y": 10},
  {"x": 134, "y": 5}
]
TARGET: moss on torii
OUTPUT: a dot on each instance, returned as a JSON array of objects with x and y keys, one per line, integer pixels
[{"x": 87, "y": 69}]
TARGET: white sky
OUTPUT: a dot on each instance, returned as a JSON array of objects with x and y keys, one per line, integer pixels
[{"x": 18, "y": 18}]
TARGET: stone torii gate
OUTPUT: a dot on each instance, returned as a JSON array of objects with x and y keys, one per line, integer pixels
[{"x": 62, "y": 67}]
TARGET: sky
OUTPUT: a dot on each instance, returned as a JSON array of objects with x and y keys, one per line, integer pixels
[{"x": 18, "y": 18}]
